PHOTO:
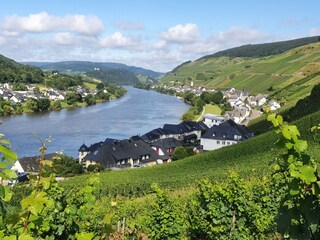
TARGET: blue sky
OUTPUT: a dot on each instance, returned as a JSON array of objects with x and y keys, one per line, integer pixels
[{"x": 157, "y": 35}]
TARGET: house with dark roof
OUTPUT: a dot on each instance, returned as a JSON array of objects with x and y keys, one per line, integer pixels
[
  {"x": 31, "y": 164},
  {"x": 121, "y": 154},
  {"x": 225, "y": 134},
  {"x": 165, "y": 147},
  {"x": 211, "y": 119},
  {"x": 158, "y": 133},
  {"x": 188, "y": 131}
]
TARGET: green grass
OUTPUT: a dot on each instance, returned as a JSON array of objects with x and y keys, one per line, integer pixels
[
  {"x": 212, "y": 109},
  {"x": 90, "y": 85},
  {"x": 251, "y": 159}
]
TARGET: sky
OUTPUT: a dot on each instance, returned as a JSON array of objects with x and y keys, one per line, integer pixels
[{"x": 157, "y": 35}]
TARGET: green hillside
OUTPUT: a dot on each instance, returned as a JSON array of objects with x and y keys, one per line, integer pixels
[
  {"x": 250, "y": 159},
  {"x": 280, "y": 74},
  {"x": 11, "y": 71},
  {"x": 264, "y": 49},
  {"x": 115, "y": 76}
]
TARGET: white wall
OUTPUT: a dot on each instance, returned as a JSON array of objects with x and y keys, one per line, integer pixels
[
  {"x": 212, "y": 144},
  {"x": 17, "y": 167}
]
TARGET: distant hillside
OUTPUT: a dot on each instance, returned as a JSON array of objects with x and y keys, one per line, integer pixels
[
  {"x": 86, "y": 66},
  {"x": 114, "y": 76},
  {"x": 288, "y": 76},
  {"x": 264, "y": 49},
  {"x": 11, "y": 71}
]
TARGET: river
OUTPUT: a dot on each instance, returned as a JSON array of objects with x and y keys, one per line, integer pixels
[{"x": 136, "y": 113}]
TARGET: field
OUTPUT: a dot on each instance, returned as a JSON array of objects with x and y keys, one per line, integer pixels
[
  {"x": 250, "y": 159},
  {"x": 256, "y": 75}
]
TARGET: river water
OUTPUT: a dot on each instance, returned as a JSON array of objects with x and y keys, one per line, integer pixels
[{"x": 136, "y": 113}]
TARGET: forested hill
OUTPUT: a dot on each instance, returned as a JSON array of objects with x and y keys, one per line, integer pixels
[
  {"x": 87, "y": 66},
  {"x": 115, "y": 76},
  {"x": 264, "y": 49},
  {"x": 11, "y": 71}
]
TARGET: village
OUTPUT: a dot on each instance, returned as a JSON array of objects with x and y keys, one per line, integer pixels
[
  {"x": 158, "y": 145},
  {"x": 8, "y": 92}
]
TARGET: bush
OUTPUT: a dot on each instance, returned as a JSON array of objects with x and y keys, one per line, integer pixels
[{"x": 95, "y": 168}]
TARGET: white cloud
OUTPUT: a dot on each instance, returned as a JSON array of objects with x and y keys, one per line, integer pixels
[
  {"x": 3, "y": 41},
  {"x": 125, "y": 25},
  {"x": 181, "y": 33},
  {"x": 240, "y": 35},
  {"x": 64, "y": 38},
  {"x": 43, "y": 22},
  {"x": 161, "y": 44},
  {"x": 314, "y": 32},
  {"x": 117, "y": 40}
]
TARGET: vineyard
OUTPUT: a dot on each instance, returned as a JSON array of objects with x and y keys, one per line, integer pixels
[
  {"x": 242, "y": 199},
  {"x": 250, "y": 159}
]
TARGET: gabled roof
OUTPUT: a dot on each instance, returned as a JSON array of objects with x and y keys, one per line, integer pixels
[
  {"x": 185, "y": 127},
  {"x": 83, "y": 148},
  {"x": 32, "y": 164},
  {"x": 111, "y": 152},
  {"x": 94, "y": 146},
  {"x": 156, "y": 134},
  {"x": 227, "y": 131},
  {"x": 166, "y": 143}
]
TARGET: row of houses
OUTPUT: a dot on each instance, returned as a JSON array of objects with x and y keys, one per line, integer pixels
[
  {"x": 157, "y": 146},
  {"x": 7, "y": 93},
  {"x": 154, "y": 147}
]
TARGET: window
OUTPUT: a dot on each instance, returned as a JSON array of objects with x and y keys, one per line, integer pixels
[
  {"x": 228, "y": 143},
  {"x": 147, "y": 156},
  {"x": 218, "y": 142},
  {"x": 223, "y": 143}
]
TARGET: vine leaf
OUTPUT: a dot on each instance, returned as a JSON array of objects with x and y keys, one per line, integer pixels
[
  {"x": 8, "y": 154},
  {"x": 300, "y": 146},
  {"x": 35, "y": 202},
  {"x": 308, "y": 175},
  {"x": 84, "y": 236}
]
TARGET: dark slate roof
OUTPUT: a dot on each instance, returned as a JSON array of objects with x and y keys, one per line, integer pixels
[
  {"x": 94, "y": 146},
  {"x": 186, "y": 127},
  {"x": 83, "y": 148},
  {"x": 156, "y": 134},
  {"x": 32, "y": 164},
  {"x": 110, "y": 152},
  {"x": 227, "y": 131},
  {"x": 135, "y": 138},
  {"x": 166, "y": 143}
]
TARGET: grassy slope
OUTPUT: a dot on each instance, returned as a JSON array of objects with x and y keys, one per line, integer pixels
[
  {"x": 253, "y": 74},
  {"x": 250, "y": 159}
]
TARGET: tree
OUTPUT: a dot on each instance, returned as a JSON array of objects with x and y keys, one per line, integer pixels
[
  {"x": 32, "y": 104},
  {"x": 182, "y": 152},
  {"x": 216, "y": 97},
  {"x": 100, "y": 86},
  {"x": 66, "y": 165},
  {"x": 43, "y": 104},
  {"x": 56, "y": 105},
  {"x": 72, "y": 98},
  {"x": 205, "y": 96},
  {"x": 89, "y": 99},
  {"x": 188, "y": 116},
  {"x": 200, "y": 104}
]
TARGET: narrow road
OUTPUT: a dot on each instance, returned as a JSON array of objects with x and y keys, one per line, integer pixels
[{"x": 203, "y": 110}]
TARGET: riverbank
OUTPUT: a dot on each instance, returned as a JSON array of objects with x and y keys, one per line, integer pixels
[
  {"x": 136, "y": 113},
  {"x": 50, "y": 99}
]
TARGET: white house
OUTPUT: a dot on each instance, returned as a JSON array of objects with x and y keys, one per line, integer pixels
[
  {"x": 210, "y": 119},
  {"x": 274, "y": 105},
  {"x": 225, "y": 134}
]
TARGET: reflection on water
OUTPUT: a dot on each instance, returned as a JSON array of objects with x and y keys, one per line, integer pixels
[{"x": 138, "y": 112}]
